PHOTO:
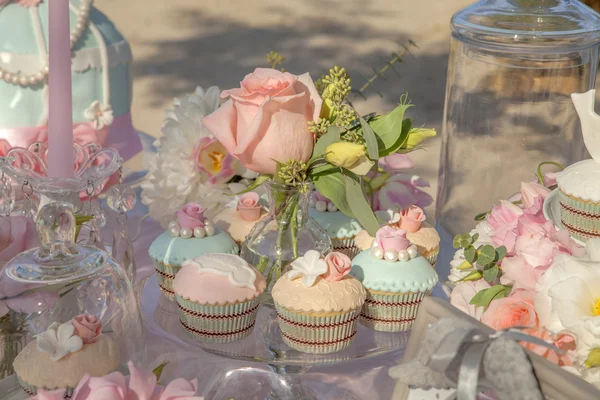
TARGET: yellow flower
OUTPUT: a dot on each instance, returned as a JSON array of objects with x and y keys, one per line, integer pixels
[
  {"x": 593, "y": 359},
  {"x": 344, "y": 154}
]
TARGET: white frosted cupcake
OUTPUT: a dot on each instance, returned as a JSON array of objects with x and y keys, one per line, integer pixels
[{"x": 318, "y": 303}]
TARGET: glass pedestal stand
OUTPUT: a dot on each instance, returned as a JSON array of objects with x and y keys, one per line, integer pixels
[{"x": 279, "y": 370}]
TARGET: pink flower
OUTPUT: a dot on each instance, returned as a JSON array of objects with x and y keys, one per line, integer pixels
[
  {"x": 515, "y": 310},
  {"x": 519, "y": 273},
  {"x": 266, "y": 120},
  {"x": 87, "y": 327},
  {"x": 462, "y": 295},
  {"x": 212, "y": 158},
  {"x": 503, "y": 214},
  {"x": 16, "y": 235},
  {"x": 530, "y": 191},
  {"x": 401, "y": 191},
  {"x": 339, "y": 266},
  {"x": 248, "y": 206},
  {"x": 395, "y": 162},
  {"x": 191, "y": 216},
  {"x": 564, "y": 342},
  {"x": 390, "y": 238},
  {"x": 411, "y": 220},
  {"x": 319, "y": 197}
]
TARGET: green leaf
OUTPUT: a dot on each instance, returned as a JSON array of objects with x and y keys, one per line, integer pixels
[
  {"x": 491, "y": 274},
  {"x": 476, "y": 300},
  {"x": 379, "y": 180},
  {"x": 331, "y": 185},
  {"x": 474, "y": 238},
  {"x": 471, "y": 254},
  {"x": 359, "y": 205},
  {"x": 257, "y": 182},
  {"x": 481, "y": 216},
  {"x": 500, "y": 253},
  {"x": 473, "y": 276},
  {"x": 464, "y": 265},
  {"x": 80, "y": 218},
  {"x": 370, "y": 139},
  {"x": 391, "y": 129},
  {"x": 456, "y": 241},
  {"x": 159, "y": 370},
  {"x": 332, "y": 136},
  {"x": 416, "y": 136},
  {"x": 486, "y": 296},
  {"x": 486, "y": 254}
]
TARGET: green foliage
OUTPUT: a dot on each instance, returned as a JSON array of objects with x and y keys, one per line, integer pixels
[
  {"x": 391, "y": 129},
  {"x": 330, "y": 183},
  {"x": 159, "y": 370},
  {"x": 484, "y": 259},
  {"x": 370, "y": 140},
  {"x": 359, "y": 205},
  {"x": 257, "y": 182},
  {"x": 332, "y": 136},
  {"x": 484, "y": 297},
  {"x": 274, "y": 59}
]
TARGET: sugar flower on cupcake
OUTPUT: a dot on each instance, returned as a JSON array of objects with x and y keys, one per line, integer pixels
[
  {"x": 248, "y": 207},
  {"x": 191, "y": 222},
  {"x": 60, "y": 340},
  {"x": 392, "y": 245},
  {"x": 411, "y": 219},
  {"x": 311, "y": 266}
]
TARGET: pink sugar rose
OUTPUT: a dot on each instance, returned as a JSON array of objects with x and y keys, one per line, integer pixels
[
  {"x": 515, "y": 310},
  {"x": 191, "y": 216},
  {"x": 87, "y": 327},
  {"x": 248, "y": 206},
  {"x": 462, "y": 295},
  {"x": 339, "y": 266},
  {"x": 212, "y": 158},
  {"x": 266, "y": 119},
  {"x": 564, "y": 342},
  {"x": 411, "y": 220},
  {"x": 390, "y": 238}
]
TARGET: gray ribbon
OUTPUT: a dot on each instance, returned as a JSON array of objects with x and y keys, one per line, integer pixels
[{"x": 474, "y": 343}]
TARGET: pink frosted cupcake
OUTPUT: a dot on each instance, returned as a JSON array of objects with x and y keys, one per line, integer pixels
[{"x": 217, "y": 295}]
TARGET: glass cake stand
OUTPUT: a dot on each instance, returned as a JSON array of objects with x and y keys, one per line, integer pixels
[{"x": 265, "y": 346}]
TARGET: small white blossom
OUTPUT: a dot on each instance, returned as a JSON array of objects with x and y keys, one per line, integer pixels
[
  {"x": 59, "y": 340},
  {"x": 309, "y": 267},
  {"x": 100, "y": 115}
]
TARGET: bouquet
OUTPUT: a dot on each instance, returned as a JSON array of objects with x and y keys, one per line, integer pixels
[
  {"x": 516, "y": 269},
  {"x": 293, "y": 131}
]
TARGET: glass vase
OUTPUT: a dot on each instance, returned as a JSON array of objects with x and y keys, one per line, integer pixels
[
  {"x": 513, "y": 66},
  {"x": 285, "y": 234}
]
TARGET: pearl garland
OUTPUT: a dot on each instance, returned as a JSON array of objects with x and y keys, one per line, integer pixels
[
  {"x": 177, "y": 231},
  {"x": 392, "y": 255},
  {"x": 33, "y": 79}
]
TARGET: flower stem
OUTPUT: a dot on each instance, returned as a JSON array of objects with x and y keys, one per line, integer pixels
[{"x": 540, "y": 176}]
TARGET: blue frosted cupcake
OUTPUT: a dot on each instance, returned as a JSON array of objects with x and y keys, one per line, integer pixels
[
  {"x": 190, "y": 235},
  {"x": 341, "y": 229},
  {"x": 396, "y": 278}
]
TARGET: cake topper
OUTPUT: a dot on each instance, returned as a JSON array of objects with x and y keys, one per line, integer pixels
[
  {"x": 191, "y": 222},
  {"x": 248, "y": 206},
  {"x": 392, "y": 245}
]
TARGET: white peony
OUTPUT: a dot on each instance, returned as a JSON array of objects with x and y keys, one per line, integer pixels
[{"x": 174, "y": 178}]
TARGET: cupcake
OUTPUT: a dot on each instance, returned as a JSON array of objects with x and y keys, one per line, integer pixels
[
  {"x": 217, "y": 295},
  {"x": 340, "y": 228},
  {"x": 579, "y": 196},
  {"x": 418, "y": 232},
  {"x": 239, "y": 220},
  {"x": 63, "y": 354},
  {"x": 191, "y": 235},
  {"x": 397, "y": 279},
  {"x": 318, "y": 303}
]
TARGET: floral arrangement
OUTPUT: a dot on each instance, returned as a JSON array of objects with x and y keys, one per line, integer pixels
[
  {"x": 190, "y": 164},
  {"x": 293, "y": 132},
  {"x": 516, "y": 269},
  {"x": 140, "y": 384},
  {"x": 312, "y": 265}
]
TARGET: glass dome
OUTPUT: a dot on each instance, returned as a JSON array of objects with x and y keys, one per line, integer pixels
[{"x": 513, "y": 66}]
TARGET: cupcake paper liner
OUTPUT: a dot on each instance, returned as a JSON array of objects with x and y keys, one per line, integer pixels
[
  {"x": 391, "y": 312},
  {"x": 580, "y": 217},
  {"x": 217, "y": 323},
  {"x": 317, "y": 333},
  {"x": 345, "y": 246},
  {"x": 31, "y": 390},
  {"x": 165, "y": 275},
  {"x": 432, "y": 255}
]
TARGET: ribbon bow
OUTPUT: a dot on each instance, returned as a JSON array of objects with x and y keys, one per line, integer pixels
[{"x": 475, "y": 344}]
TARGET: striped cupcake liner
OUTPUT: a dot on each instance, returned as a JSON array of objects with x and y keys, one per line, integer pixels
[
  {"x": 165, "y": 275},
  {"x": 345, "y": 246},
  {"x": 317, "y": 333},
  {"x": 217, "y": 323},
  {"x": 580, "y": 217},
  {"x": 31, "y": 390},
  {"x": 432, "y": 258},
  {"x": 391, "y": 312}
]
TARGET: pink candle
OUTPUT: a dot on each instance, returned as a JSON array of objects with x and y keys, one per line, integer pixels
[{"x": 60, "y": 119}]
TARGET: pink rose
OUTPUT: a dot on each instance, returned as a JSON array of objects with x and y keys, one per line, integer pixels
[
  {"x": 16, "y": 235},
  {"x": 266, "y": 120},
  {"x": 564, "y": 342},
  {"x": 411, "y": 220},
  {"x": 390, "y": 238},
  {"x": 248, "y": 206},
  {"x": 87, "y": 327},
  {"x": 191, "y": 216},
  {"x": 212, "y": 158},
  {"x": 517, "y": 272},
  {"x": 515, "y": 310},
  {"x": 464, "y": 292},
  {"x": 339, "y": 266},
  {"x": 530, "y": 191}
]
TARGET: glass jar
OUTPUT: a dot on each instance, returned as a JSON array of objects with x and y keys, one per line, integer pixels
[
  {"x": 285, "y": 234},
  {"x": 513, "y": 66}
]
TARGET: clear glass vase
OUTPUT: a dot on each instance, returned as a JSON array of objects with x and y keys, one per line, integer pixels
[
  {"x": 285, "y": 234},
  {"x": 513, "y": 66}
]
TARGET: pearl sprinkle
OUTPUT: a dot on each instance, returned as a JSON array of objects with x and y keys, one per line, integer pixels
[
  {"x": 392, "y": 255},
  {"x": 185, "y": 233}
]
